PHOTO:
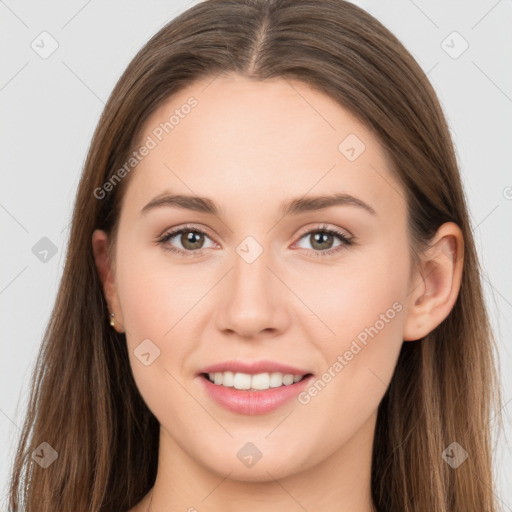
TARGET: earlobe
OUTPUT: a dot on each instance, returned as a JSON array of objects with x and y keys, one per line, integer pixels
[
  {"x": 100, "y": 249},
  {"x": 437, "y": 284}
]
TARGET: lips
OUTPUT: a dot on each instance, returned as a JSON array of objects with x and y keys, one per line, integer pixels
[
  {"x": 249, "y": 402},
  {"x": 253, "y": 368}
]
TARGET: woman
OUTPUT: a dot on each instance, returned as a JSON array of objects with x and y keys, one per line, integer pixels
[{"x": 271, "y": 296}]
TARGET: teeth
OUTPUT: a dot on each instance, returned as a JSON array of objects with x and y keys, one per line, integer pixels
[{"x": 260, "y": 381}]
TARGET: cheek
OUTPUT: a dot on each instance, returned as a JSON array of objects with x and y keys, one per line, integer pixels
[
  {"x": 154, "y": 299},
  {"x": 352, "y": 295},
  {"x": 154, "y": 292},
  {"x": 363, "y": 305}
]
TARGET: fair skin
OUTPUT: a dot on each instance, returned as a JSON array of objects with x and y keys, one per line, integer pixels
[{"x": 250, "y": 146}]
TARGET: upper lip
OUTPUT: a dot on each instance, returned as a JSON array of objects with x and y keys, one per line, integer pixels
[{"x": 253, "y": 368}]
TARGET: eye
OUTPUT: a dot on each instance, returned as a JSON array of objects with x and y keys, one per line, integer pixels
[
  {"x": 190, "y": 238},
  {"x": 322, "y": 239}
]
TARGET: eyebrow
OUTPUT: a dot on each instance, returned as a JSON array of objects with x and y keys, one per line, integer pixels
[{"x": 292, "y": 207}]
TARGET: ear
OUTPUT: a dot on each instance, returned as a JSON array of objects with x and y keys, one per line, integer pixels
[
  {"x": 436, "y": 285},
  {"x": 106, "y": 272}
]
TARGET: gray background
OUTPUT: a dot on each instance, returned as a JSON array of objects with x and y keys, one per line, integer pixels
[{"x": 50, "y": 107}]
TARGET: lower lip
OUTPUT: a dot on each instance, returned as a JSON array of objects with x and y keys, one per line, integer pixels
[{"x": 253, "y": 402}]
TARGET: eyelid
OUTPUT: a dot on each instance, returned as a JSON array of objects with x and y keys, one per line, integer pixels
[
  {"x": 188, "y": 227},
  {"x": 325, "y": 227}
]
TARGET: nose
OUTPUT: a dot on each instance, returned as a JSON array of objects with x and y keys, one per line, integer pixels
[{"x": 254, "y": 301}]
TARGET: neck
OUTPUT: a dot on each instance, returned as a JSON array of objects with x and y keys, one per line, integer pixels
[{"x": 340, "y": 482}]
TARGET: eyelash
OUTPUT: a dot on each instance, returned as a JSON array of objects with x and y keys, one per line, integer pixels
[{"x": 320, "y": 229}]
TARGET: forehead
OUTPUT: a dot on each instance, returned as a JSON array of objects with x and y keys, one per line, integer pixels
[{"x": 261, "y": 139}]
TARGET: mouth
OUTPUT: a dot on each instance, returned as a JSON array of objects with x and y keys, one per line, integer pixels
[
  {"x": 252, "y": 394},
  {"x": 254, "y": 382}
]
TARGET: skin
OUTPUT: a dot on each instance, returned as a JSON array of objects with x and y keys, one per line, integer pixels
[{"x": 249, "y": 146}]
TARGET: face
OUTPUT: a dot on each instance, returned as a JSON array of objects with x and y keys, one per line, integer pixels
[{"x": 270, "y": 277}]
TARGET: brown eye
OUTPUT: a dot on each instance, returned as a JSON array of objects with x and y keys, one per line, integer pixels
[
  {"x": 185, "y": 241},
  {"x": 321, "y": 240},
  {"x": 192, "y": 240}
]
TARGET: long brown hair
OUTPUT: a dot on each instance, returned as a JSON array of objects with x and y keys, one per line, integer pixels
[{"x": 84, "y": 402}]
